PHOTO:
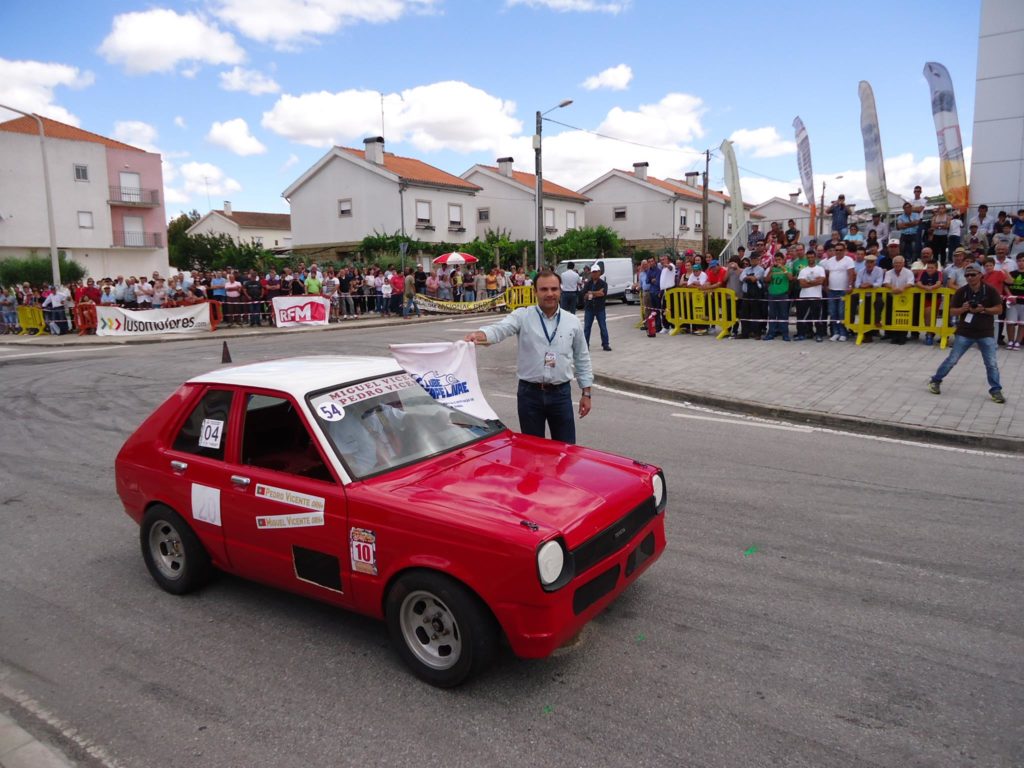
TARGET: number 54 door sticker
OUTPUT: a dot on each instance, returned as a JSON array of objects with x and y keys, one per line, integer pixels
[{"x": 363, "y": 544}]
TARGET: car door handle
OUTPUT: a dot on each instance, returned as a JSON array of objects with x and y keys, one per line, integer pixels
[
  {"x": 179, "y": 466},
  {"x": 241, "y": 482}
]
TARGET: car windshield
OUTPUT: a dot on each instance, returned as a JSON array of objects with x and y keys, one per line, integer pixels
[{"x": 390, "y": 421}]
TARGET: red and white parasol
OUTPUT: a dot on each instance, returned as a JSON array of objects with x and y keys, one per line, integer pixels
[{"x": 455, "y": 257}]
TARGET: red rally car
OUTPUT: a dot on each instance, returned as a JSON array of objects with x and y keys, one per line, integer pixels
[{"x": 341, "y": 479}]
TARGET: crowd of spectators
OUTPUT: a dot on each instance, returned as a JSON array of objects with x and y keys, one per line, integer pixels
[{"x": 781, "y": 278}]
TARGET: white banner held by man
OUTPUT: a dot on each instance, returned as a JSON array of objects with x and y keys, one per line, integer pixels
[
  {"x": 301, "y": 310},
  {"x": 447, "y": 371},
  {"x": 114, "y": 321}
]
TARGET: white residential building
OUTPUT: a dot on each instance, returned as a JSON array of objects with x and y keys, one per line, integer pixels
[
  {"x": 507, "y": 201},
  {"x": 272, "y": 231},
  {"x": 349, "y": 194},
  {"x": 107, "y": 199},
  {"x": 653, "y": 213}
]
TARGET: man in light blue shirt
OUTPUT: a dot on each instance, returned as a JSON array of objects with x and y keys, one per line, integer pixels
[
  {"x": 552, "y": 349},
  {"x": 907, "y": 223}
]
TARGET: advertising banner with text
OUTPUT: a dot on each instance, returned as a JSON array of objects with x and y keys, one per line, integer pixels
[
  {"x": 114, "y": 321},
  {"x": 301, "y": 310}
]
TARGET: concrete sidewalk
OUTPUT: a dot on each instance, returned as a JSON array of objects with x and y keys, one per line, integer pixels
[
  {"x": 877, "y": 388},
  {"x": 20, "y": 749}
]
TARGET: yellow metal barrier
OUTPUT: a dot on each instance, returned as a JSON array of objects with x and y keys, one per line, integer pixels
[
  {"x": 692, "y": 306},
  {"x": 31, "y": 319},
  {"x": 517, "y": 296},
  {"x": 869, "y": 309}
]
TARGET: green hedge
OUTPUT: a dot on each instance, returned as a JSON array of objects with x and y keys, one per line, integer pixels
[{"x": 37, "y": 270}]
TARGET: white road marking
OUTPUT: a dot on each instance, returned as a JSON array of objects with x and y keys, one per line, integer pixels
[
  {"x": 744, "y": 422},
  {"x": 754, "y": 420},
  {"x": 61, "y": 351},
  {"x": 95, "y": 751}
]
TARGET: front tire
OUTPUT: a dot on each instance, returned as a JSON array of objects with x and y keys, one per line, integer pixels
[
  {"x": 173, "y": 553},
  {"x": 442, "y": 631}
]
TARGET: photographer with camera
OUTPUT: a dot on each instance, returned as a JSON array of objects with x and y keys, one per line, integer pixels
[{"x": 975, "y": 306}]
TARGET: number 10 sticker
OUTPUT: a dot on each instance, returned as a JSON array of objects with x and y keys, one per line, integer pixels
[{"x": 363, "y": 544}]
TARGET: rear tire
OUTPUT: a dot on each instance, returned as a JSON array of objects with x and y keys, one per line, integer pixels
[
  {"x": 173, "y": 553},
  {"x": 441, "y": 630}
]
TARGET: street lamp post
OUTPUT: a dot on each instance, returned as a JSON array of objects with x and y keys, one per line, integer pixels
[
  {"x": 54, "y": 261},
  {"x": 539, "y": 244}
]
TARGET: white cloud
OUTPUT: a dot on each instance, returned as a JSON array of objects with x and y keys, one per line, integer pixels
[
  {"x": 586, "y": 6},
  {"x": 180, "y": 121},
  {"x": 158, "y": 40},
  {"x": 291, "y": 162},
  {"x": 613, "y": 78},
  {"x": 286, "y": 23},
  {"x": 196, "y": 181},
  {"x": 674, "y": 119},
  {"x": 137, "y": 133},
  {"x": 762, "y": 142},
  {"x": 29, "y": 86},
  {"x": 234, "y": 135},
  {"x": 446, "y": 115},
  {"x": 249, "y": 80}
]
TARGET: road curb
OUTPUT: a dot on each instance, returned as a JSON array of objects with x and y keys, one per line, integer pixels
[
  {"x": 818, "y": 419},
  {"x": 20, "y": 749}
]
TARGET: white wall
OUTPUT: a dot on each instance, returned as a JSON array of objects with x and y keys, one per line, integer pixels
[
  {"x": 215, "y": 225},
  {"x": 997, "y": 161},
  {"x": 648, "y": 212},
  {"x": 514, "y": 209}
]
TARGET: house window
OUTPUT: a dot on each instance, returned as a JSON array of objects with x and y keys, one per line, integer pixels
[
  {"x": 422, "y": 213},
  {"x": 682, "y": 218},
  {"x": 619, "y": 213},
  {"x": 549, "y": 219},
  {"x": 698, "y": 219},
  {"x": 454, "y": 215},
  {"x": 85, "y": 219},
  {"x": 345, "y": 207},
  {"x": 257, "y": 240},
  {"x": 570, "y": 219},
  {"x": 728, "y": 226},
  {"x": 483, "y": 214},
  {"x": 81, "y": 172}
]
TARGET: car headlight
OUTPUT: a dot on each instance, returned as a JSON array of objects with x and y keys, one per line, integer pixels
[
  {"x": 550, "y": 562},
  {"x": 658, "y": 485}
]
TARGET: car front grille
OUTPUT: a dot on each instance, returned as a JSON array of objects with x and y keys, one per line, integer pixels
[{"x": 613, "y": 538}]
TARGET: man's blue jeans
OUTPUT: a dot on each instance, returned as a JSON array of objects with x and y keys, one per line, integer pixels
[
  {"x": 568, "y": 301},
  {"x": 589, "y": 315},
  {"x": 410, "y": 306},
  {"x": 551, "y": 405},
  {"x": 836, "y": 311},
  {"x": 961, "y": 344},
  {"x": 778, "y": 317}
]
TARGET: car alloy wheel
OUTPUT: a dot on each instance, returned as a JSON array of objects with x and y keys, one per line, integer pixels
[
  {"x": 167, "y": 550},
  {"x": 173, "y": 553},
  {"x": 430, "y": 630}
]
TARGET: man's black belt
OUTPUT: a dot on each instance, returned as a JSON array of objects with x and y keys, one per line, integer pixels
[{"x": 544, "y": 385}]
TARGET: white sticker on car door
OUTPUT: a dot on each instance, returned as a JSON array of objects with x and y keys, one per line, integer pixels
[{"x": 206, "y": 504}]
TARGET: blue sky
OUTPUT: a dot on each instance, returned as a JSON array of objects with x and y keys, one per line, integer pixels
[{"x": 241, "y": 96}]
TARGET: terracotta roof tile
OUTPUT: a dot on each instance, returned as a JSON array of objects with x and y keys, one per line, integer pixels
[
  {"x": 529, "y": 180},
  {"x": 410, "y": 169},
  {"x": 56, "y": 130},
  {"x": 685, "y": 190},
  {"x": 257, "y": 220}
]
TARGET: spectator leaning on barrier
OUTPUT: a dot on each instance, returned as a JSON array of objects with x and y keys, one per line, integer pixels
[
  {"x": 897, "y": 280},
  {"x": 810, "y": 310},
  {"x": 930, "y": 281},
  {"x": 1015, "y": 306},
  {"x": 751, "y": 305},
  {"x": 778, "y": 299},
  {"x": 872, "y": 276},
  {"x": 975, "y": 307}
]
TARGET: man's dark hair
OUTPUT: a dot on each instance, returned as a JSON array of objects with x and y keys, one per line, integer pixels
[
  {"x": 547, "y": 273},
  {"x": 571, "y": 265}
]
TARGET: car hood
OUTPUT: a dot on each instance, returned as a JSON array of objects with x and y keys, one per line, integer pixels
[{"x": 572, "y": 490}]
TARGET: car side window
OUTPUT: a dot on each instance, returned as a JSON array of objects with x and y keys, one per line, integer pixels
[
  {"x": 274, "y": 437},
  {"x": 204, "y": 432}
]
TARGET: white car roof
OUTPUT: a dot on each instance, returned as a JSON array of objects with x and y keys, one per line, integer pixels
[{"x": 299, "y": 376}]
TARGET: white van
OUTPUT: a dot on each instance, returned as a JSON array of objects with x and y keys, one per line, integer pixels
[{"x": 618, "y": 273}]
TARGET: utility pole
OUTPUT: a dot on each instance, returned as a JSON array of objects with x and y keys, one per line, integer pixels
[{"x": 704, "y": 203}]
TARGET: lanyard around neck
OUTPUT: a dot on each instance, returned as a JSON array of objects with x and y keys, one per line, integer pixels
[{"x": 544, "y": 326}]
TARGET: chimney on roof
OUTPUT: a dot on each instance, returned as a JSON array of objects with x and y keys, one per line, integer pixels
[
  {"x": 691, "y": 178},
  {"x": 793, "y": 196},
  {"x": 227, "y": 207},
  {"x": 640, "y": 170},
  {"x": 505, "y": 166},
  {"x": 374, "y": 150}
]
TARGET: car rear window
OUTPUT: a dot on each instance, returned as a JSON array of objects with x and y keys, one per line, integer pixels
[{"x": 204, "y": 432}]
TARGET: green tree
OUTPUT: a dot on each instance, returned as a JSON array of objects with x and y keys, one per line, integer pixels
[
  {"x": 584, "y": 243},
  {"x": 37, "y": 270},
  {"x": 716, "y": 245},
  {"x": 177, "y": 235}
]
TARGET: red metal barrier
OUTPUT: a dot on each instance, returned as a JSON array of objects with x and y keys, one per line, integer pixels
[
  {"x": 216, "y": 314},
  {"x": 85, "y": 318}
]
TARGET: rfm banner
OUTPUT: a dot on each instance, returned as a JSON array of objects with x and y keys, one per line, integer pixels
[
  {"x": 447, "y": 370},
  {"x": 301, "y": 310},
  {"x": 114, "y": 321}
]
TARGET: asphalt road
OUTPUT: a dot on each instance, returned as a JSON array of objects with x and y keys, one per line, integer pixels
[{"x": 825, "y": 600}]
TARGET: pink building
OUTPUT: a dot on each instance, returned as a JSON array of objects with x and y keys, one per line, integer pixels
[{"x": 107, "y": 199}]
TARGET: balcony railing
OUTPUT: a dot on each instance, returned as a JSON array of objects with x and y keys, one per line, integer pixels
[
  {"x": 138, "y": 239},
  {"x": 134, "y": 196}
]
